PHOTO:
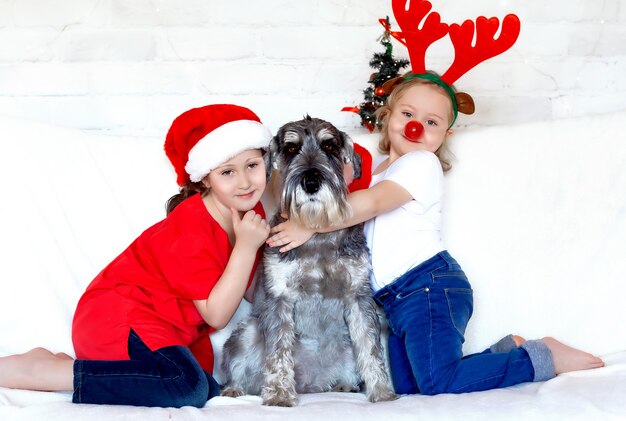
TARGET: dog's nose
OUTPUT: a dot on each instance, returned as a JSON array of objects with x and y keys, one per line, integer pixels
[{"x": 311, "y": 181}]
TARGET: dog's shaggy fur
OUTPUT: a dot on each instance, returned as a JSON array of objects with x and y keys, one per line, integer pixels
[{"x": 313, "y": 325}]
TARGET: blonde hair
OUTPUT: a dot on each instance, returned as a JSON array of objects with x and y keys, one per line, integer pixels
[{"x": 384, "y": 112}]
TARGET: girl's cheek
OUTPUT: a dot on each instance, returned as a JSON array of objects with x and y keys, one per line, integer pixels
[{"x": 398, "y": 124}]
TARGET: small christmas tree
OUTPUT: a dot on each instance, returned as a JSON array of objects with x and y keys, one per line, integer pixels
[{"x": 388, "y": 68}]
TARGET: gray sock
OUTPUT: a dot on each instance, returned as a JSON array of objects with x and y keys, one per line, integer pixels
[
  {"x": 541, "y": 359},
  {"x": 503, "y": 345}
]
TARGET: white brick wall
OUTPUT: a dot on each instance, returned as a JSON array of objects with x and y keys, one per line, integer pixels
[{"x": 131, "y": 66}]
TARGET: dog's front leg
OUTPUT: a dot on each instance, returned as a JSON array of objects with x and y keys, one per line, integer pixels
[
  {"x": 364, "y": 328},
  {"x": 278, "y": 327}
]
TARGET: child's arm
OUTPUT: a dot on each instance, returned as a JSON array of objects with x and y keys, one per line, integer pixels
[
  {"x": 250, "y": 233},
  {"x": 366, "y": 204}
]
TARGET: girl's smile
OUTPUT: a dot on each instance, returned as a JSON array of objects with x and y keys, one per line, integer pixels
[{"x": 246, "y": 196}]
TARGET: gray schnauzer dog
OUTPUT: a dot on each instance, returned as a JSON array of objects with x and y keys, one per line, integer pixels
[{"x": 313, "y": 326}]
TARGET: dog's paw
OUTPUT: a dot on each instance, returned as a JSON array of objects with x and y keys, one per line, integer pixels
[
  {"x": 232, "y": 392},
  {"x": 381, "y": 393},
  {"x": 278, "y": 401},
  {"x": 279, "y": 397},
  {"x": 347, "y": 388}
]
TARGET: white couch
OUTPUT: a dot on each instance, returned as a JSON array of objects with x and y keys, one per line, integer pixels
[{"x": 536, "y": 214}]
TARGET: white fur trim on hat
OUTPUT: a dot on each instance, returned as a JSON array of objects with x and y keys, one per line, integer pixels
[{"x": 223, "y": 143}]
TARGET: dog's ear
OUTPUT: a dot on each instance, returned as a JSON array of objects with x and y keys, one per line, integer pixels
[
  {"x": 271, "y": 157},
  {"x": 356, "y": 164},
  {"x": 268, "y": 165},
  {"x": 350, "y": 156}
]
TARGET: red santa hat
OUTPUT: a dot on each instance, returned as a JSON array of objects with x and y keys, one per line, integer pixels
[{"x": 202, "y": 138}]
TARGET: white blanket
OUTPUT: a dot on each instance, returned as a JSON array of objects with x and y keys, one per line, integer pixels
[
  {"x": 536, "y": 215},
  {"x": 597, "y": 395}
]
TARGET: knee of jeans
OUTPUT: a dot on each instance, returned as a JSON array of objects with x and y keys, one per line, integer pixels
[
  {"x": 432, "y": 391},
  {"x": 190, "y": 389},
  {"x": 405, "y": 388},
  {"x": 434, "y": 387},
  {"x": 426, "y": 388}
]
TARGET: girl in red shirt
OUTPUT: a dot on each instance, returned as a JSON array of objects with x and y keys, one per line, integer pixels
[{"x": 140, "y": 330}]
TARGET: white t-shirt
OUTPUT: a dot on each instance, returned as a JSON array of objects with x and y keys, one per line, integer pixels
[{"x": 405, "y": 237}]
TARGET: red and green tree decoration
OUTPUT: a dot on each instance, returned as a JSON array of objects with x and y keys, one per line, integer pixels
[{"x": 388, "y": 68}]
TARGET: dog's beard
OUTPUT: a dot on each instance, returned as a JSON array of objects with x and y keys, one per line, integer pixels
[{"x": 322, "y": 209}]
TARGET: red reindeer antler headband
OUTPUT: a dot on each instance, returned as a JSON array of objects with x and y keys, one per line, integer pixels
[{"x": 466, "y": 56}]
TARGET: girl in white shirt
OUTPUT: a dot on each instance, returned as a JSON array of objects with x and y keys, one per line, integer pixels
[{"x": 422, "y": 289}]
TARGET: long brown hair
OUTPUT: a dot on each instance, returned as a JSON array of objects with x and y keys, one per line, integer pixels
[{"x": 185, "y": 192}]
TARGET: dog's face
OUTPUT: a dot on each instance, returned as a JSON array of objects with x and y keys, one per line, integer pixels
[{"x": 310, "y": 156}]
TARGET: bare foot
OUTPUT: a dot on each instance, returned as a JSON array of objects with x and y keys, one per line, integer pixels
[
  {"x": 63, "y": 356},
  {"x": 518, "y": 340},
  {"x": 37, "y": 369},
  {"x": 568, "y": 359}
]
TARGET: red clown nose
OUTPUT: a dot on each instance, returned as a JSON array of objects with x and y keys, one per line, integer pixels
[{"x": 413, "y": 130}]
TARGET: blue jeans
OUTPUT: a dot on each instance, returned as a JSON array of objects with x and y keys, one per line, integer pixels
[
  {"x": 167, "y": 377},
  {"x": 428, "y": 309}
]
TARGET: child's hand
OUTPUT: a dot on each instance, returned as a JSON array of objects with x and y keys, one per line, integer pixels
[
  {"x": 289, "y": 235},
  {"x": 251, "y": 230}
]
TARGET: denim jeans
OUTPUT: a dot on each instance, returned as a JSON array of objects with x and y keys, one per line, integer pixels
[
  {"x": 167, "y": 377},
  {"x": 428, "y": 309}
]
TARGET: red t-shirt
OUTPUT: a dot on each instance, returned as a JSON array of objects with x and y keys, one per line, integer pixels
[{"x": 151, "y": 285}]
